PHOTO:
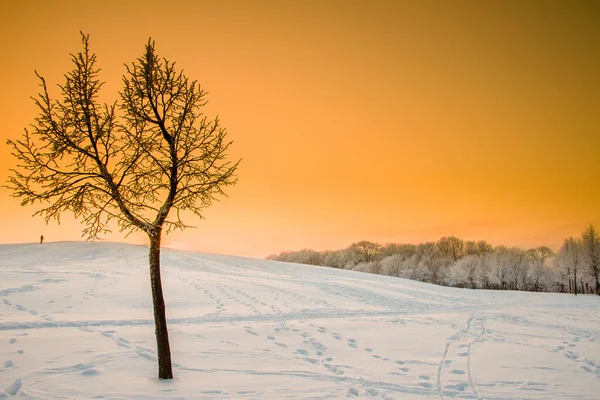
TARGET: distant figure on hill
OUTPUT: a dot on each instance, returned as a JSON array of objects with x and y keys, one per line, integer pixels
[{"x": 41, "y": 239}]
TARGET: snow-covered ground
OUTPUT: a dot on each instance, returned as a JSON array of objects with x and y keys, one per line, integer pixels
[{"x": 76, "y": 323}]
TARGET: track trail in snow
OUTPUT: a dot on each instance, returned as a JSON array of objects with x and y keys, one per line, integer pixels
[{"x": 454, "y": 371}]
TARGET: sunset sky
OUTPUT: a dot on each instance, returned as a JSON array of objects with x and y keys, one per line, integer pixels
[{"x": 391, "y": 121}]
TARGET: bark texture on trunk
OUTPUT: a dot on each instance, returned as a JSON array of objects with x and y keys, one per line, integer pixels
[{"x": 165, "y": 370}]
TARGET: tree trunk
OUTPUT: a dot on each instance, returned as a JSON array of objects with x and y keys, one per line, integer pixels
[
  {"x": 165, "y": 370},
  {"x": 575, "y": 280}
]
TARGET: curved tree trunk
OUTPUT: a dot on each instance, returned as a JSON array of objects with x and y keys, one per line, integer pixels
[{"x": 165, "y": 370}]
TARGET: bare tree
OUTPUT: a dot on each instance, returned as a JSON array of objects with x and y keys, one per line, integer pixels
[
  {"x": 590, "y": 240},
  {"x": 139, "y": 162},
  {"x": 365, "y": 251},
  {"x": 452, "y": 248}
]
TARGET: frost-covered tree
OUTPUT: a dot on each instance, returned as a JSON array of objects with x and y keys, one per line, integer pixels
[
  {"x": 139, "y": 162},
  {"x": 570, "y": 259},
  {"x": 516, "y": 261},
  {"x": 590, "y": 241},
  {"x": 304, "y": 256},
  {"x": 499, "y": 272},
  {"x": 372, "y": 267},
  {"x": 343, "y": 259},
  {"x": 483, "y": 272},
  {"x": 403, "y": 266},
  {"x": 392, "y": 265},
  {"x": 463, "y": 273},
  {"x": 433, "y": 264},
  {"x": 537, "y": 261}
]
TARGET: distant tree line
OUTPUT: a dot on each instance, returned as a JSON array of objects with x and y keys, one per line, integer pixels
[{"x": 451, "y": 261}]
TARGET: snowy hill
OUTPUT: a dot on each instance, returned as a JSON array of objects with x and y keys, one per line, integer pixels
[{"x": 76, "y": 323}]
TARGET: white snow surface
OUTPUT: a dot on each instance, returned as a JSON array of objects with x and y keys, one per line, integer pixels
[{"x": 76, "y": 323}]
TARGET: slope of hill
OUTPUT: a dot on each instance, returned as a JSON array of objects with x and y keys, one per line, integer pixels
[{"x": 76, "y": 323}]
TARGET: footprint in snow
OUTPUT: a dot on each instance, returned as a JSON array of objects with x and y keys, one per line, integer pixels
[
  {"x": 462, "y": 386},
  {"x": 352, "y": 343},
  {"x": 571, "y": 355},
  {"x": 334, "y": 369},
  {"x": 12, "y": 340},
  {"x": 14, "y": 388},
  {"x": 90, "y": 372},
  {"x": 457, "y": 372},
  {"x": 317, "y": 345},
  {"x": 352, "y": 392}
]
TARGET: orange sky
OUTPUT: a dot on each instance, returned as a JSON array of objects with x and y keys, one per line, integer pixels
[{"x": 388, "y": 121}]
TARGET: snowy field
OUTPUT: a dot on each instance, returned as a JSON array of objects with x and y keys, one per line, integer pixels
[{"x": 76, "y": 323}]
